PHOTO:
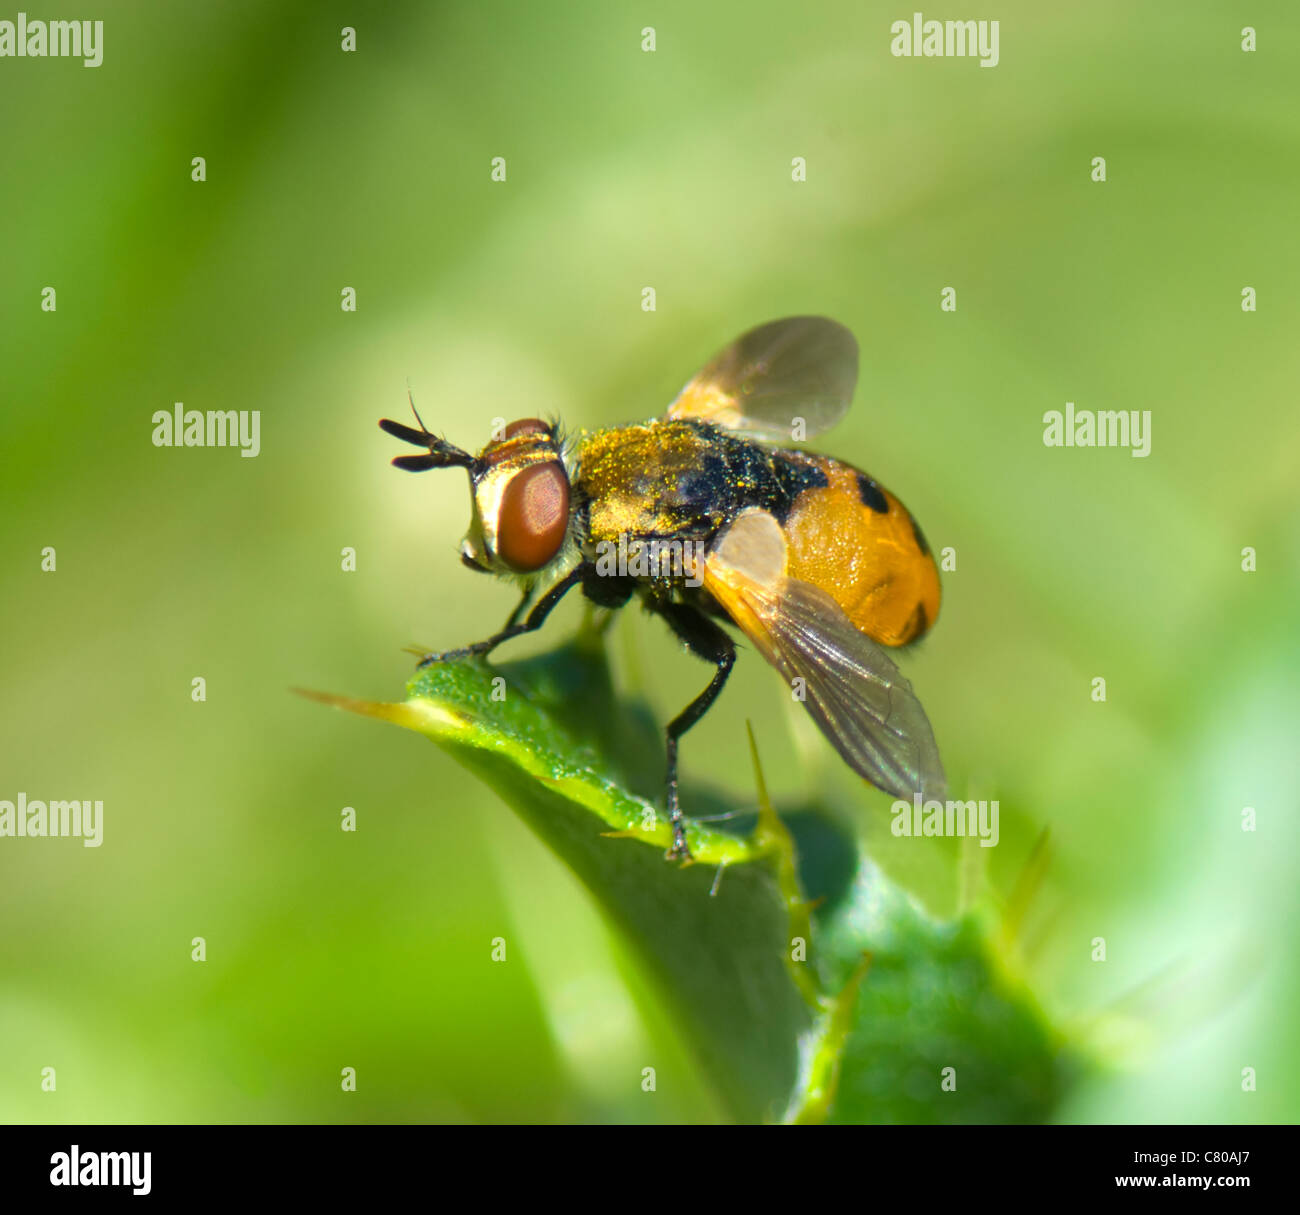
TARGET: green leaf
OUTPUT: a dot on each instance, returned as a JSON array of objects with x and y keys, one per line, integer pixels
[{"x": 887, "y": 998}]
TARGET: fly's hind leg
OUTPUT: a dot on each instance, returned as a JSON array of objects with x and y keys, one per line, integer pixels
[{"x": 705, "y": 640}]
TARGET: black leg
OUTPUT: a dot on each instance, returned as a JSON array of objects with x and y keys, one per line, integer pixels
[
  {"x": 705, "y": 640},
  {"x": 536, "y": 617},
  {"x": 607, "y": 591},
  {"x": 523, "y": 603}
]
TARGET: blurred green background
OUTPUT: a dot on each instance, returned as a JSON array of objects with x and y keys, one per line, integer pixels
[{"x": 626, "y": 170}]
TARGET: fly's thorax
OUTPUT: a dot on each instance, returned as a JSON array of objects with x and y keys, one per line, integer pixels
[
  {"x": 521, "y": 502},
  {"x": 671, "y": 479},
  {"x": 620, "y": 474}
]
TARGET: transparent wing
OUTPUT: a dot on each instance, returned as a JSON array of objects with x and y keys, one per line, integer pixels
[
  {"x": 856, "y": 694},
  {"x": 803, "y": 367}
]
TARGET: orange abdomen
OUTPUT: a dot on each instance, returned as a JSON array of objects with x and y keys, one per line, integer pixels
[{"x": 860, "y": 544}]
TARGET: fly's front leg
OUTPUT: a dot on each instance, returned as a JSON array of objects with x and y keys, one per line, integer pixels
[
  {"x": 513, "y": 628},
  {"x": 522, "y": 605},
  {"x": 705, "y": 640}
]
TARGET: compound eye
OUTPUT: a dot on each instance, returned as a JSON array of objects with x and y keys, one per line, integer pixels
[
  {"x": 527, "y": 426},
  {"x": 534, "y": 516}
]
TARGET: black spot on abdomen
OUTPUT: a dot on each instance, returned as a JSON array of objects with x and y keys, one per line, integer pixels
[
  {"x": 921, "y": 541},
  {"x": 871, "y": 496},
  {"x": 919, "y": 623},
  {"x": 795, "y": 473}
]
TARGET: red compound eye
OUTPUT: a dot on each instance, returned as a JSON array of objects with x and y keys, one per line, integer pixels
[
  {"x": 527, "y": 426},
  {"x": 534, "y": 516}
]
